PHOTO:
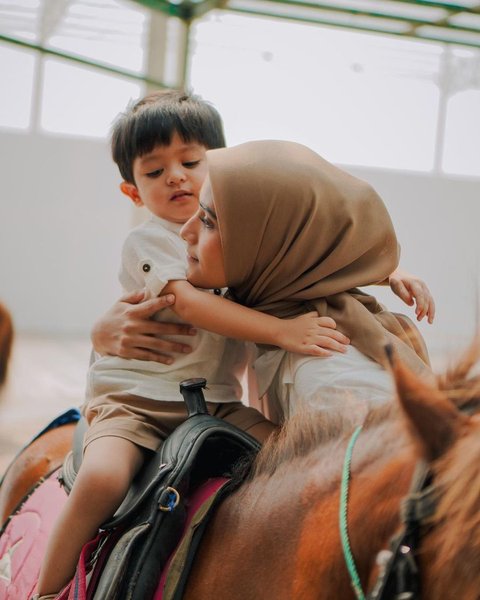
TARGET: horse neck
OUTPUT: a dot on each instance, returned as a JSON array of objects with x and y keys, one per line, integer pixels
[
  {"x": 298, "y": 505},
  {"x": 380, "y": 479}
]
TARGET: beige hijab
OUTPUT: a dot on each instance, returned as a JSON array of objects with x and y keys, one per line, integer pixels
[{"x": 300, "y": 234}]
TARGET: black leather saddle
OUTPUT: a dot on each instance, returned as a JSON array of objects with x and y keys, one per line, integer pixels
[{"x": 153, "y": 514}]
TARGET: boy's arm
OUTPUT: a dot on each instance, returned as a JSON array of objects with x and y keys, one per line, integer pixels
[
  {"x": 306, "y": 334},
  {"x": 412, "y": 290}
]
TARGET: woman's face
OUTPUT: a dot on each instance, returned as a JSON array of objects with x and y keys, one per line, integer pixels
[{"x": 205, "y": 256}]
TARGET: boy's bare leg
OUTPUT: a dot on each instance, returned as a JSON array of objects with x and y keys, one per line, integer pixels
[{"x": 108, "y": 467}]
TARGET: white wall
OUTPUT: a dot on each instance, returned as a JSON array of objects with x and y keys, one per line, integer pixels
[
  {"x": 63, "y": 221},
  {"x": 437, "y": 220}
]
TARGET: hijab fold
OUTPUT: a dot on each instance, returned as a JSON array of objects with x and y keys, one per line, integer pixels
[{"x": 300, "y": 234}]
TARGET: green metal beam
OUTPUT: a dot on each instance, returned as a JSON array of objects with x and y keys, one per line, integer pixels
[
  {"x": 412, "y": 21},
  {"x": 358, "y": 27},
  {"x": 186, "y": 10},
  {"x": 450, "y": 6},
  {"x": 356, "y": 12},
  {"x": 82, "y": 61}
]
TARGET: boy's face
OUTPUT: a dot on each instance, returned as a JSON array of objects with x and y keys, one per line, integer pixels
[{"x": 168, "y": 180}]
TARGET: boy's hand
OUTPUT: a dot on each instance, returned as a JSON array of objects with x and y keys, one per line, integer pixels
[
  {"x": 413, "y": 290},
  {"x": 312, "y": 335},
  {"x": 127, "y": 330}
]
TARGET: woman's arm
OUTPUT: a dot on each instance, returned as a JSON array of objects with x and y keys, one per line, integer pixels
[
  {"x": 306, "y": 334},
  {"x": 127, "y": 330}
]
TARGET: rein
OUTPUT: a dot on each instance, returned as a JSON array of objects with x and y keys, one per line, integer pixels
[
  {"x": 399, "y": 574},
  {"x": 347, "y": 550}
]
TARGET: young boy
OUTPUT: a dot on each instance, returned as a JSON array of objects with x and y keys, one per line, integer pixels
[{"x": 159, "y": 146}]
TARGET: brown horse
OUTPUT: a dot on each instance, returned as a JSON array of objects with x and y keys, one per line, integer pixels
[
  {"x": 6, "y": 340},
  {"x": 277, "y": 537}
]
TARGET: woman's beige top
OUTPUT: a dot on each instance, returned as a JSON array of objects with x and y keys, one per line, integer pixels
[{"x": 300, "y": 234}]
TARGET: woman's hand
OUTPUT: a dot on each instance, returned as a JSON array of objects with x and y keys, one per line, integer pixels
[
  {"x": 312, "y": 335},
  {"x": 413, "y": 290},
  {"x": 127, "y": 330}
]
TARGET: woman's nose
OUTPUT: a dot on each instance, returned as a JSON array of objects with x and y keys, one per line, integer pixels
[{"x": 187, "y": 232}]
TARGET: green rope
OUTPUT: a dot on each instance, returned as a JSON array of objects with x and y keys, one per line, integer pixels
[{"x": 347, "y": 550}]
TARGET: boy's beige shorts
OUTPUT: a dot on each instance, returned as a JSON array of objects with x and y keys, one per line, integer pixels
[{"x": 148, "y": 423}]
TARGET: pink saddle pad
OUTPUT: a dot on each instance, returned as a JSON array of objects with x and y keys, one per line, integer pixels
[{"x": 24, "y": 540}]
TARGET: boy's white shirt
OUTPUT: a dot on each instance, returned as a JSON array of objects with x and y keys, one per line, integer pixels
[{"x": 152, "y": 255}]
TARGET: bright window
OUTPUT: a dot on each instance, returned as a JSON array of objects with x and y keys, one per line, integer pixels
[
  {"x": 356, "y": 98},
  {"x": 462, "y": 135},
  {"x": 110, "y": 32},
  {"x": 88, "y": 104},
  {"x": 16, "y": 74}
]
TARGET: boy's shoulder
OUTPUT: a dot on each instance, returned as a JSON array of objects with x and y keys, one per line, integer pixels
[
  {"x": 153, "y": 224},
  {"x": 154, "y": 236}
]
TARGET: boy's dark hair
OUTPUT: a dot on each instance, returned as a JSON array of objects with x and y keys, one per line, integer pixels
[{"x": 153, "y": 120}]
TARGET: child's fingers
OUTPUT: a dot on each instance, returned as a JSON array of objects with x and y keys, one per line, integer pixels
[
  {"x": 314, "y": 350},
  {"x": 331, "y": 334},
  {"x": 150, "y": 307},
  {"x": 425, "y": 305},
  {"x": 321, "y": 321},
  {"x": 427, "y": 311},
  {"x": 431, "y": 311},
  {"x": 326, "y": 322},
  {"x": 401, "y": 290},
  {"x": 330, "y": 344},
  {"x": 421, "y": 308}
]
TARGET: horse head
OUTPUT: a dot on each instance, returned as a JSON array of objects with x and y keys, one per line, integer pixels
[{"x": 444, "y": 425}]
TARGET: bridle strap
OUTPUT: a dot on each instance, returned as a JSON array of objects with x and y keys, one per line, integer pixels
[{"x": 399, "y": 576}]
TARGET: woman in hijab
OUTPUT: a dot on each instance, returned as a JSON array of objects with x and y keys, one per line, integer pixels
[{"x": 287, "y": 233}]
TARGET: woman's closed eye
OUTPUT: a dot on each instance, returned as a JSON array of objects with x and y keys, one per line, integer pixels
[{"x": 207, "y": 222}]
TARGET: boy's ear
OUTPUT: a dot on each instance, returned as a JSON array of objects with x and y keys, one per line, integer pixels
[{"x": 130, "y": 190}]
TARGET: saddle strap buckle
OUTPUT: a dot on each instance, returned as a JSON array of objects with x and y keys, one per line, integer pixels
[{"x": 169, "y": 499}]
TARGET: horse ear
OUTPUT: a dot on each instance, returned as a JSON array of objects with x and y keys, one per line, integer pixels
[{"x": 433, "y": 420}]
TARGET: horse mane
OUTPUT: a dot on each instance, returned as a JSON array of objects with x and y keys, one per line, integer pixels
[
  {"x": 455, "y": 563},
  {"x": 460, "y": 383},
  {"x": 306, "y": 431}
]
